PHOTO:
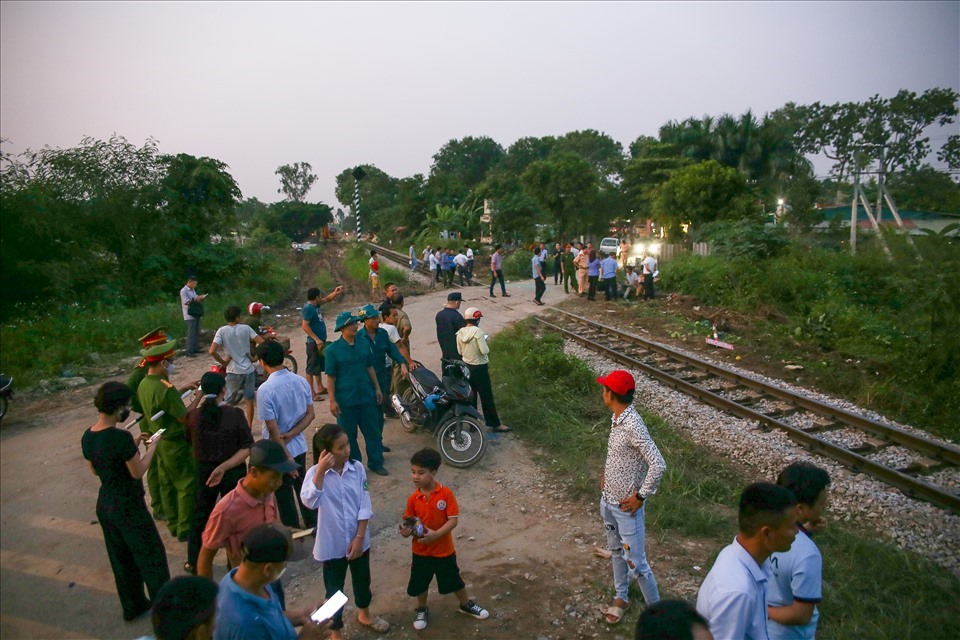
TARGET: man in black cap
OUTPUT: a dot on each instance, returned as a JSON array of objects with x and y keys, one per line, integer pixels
[
  {"x": 449, "y": 321},
  {"x": 251, "y": 503},
  {"x": 249, "y": 604}
]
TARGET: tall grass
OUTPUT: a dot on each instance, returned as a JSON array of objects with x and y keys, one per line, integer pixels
[
  {"x": 356, "y": 263},
  {"x": 66, "y": 338},
  {"x": 872, "y": 590}
]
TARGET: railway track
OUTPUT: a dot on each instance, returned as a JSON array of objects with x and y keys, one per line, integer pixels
[
  {"x": 402, "y": 259},
  {"x": 808, "y": 422}
]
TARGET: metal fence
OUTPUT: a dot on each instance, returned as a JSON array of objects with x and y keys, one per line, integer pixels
[{"x": 671, "y": 251}]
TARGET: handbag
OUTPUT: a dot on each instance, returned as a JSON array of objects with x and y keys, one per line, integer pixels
[{"x": 195, "y": 309}]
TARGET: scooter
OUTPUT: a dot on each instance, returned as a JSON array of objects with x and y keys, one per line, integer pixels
[
  {"x": 6, "y": 391},
  {"x": 444, "y": 408}
]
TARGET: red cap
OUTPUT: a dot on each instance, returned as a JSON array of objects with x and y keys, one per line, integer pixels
[{"x": 618, "y": 381}]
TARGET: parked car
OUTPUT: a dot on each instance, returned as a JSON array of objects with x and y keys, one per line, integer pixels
[{"x": 609, "y": 245}]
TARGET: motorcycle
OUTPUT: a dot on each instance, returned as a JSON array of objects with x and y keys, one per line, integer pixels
[
  {"x": 6, "y": 391},
  {"x": 443, "y": 407}
]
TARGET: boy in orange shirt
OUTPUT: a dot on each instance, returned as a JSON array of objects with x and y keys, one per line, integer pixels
[{"x": 430, "y": 517}]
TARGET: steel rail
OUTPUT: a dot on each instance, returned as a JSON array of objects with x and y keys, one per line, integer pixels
[
  {"x": 940, "y": 451},
  {"x": 910, "y": 486}
]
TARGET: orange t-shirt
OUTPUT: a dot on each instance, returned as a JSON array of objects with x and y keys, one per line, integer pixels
[{"x": 433, "y": 510}]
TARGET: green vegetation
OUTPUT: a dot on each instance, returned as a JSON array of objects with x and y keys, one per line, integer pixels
[
  {"x": 898, "y": 321},
  {"x": 357, "y": 264},
  {"x": 871, "y": 589},
  {"x": 64, "y": 338}
]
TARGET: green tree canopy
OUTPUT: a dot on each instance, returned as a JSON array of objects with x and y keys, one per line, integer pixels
[
  {"x": 296, "y": 180},
  {"x": 562, "y": 184},
  {"x": 701, "y": 193}
]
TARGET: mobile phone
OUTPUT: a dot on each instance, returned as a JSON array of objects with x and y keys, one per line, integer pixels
[
  {"x": 156, "y": 435},
  {"x": 329, "y": 608}
]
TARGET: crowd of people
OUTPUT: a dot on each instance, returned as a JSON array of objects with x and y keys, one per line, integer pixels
[{"x": 215, "y": 487}]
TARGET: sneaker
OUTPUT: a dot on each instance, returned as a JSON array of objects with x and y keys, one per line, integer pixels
[
  {"x": 420, "y": 622},
  {"x": 475, "y": 610}
]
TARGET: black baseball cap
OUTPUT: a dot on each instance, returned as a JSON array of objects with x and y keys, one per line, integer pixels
[
  {"x": 271, "y": 455},
  {"x": 454, "y": 297},
  {"x": 267, "y": 543}
]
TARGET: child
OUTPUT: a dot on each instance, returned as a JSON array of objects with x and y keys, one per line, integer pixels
[
  {"x": 374, "y": 274},
  {"x": 433, "y": 553},
  {"x": 337, "y": 487},
  {"x": 796, "y": 589}
]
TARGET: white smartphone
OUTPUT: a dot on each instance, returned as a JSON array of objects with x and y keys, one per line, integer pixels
[
  {"x": 156, "y": 435},
  {"x": 329, "y": 608}
]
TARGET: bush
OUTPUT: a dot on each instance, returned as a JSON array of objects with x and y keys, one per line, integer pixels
[{"x": 517, "y": 265}]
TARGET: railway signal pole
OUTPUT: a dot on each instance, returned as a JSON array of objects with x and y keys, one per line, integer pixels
[{"x": 358, "y": 175}]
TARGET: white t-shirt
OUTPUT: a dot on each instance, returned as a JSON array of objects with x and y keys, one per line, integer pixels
[
  {"x": 374, "y": 272},
  {"x": 469, "y": 254},
  {"x": 632, "y": 278},
  {"x": 235, "y": 340},
  {"x": 434, "y": 262},
  {"x": 394, "y": 336},
  {"x": 460, "y": 259},
  {"x": 649, "y": 264}
]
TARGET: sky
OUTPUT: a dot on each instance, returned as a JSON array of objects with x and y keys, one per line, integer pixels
[{"x": 258, "y": 85}]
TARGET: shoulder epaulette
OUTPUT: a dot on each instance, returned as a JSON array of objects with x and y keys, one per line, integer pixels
[{"x": 167, "y": 384}]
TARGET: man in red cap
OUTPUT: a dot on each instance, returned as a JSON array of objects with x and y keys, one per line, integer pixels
[{"x": 631, "y": 475}]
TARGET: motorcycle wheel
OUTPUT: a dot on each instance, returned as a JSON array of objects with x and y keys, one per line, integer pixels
[
  {"x": 290, "y": 363},
  {"x": 461, "y": 447},
  {"x": 3, "y": 406},
  {"x": 410, "y": 400}
]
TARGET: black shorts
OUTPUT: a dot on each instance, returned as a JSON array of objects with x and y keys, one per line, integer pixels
[
  {"x": 423, "y": 568},
  {"x": 315, "y": 360}
]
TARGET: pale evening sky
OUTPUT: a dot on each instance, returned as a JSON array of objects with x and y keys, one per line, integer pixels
[{"x": 258, "y": 85}]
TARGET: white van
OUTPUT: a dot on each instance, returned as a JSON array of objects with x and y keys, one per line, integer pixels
[{"x": 609, "y": 245}]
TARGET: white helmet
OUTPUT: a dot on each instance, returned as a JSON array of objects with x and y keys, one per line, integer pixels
[{"x": 472, "y": 313}]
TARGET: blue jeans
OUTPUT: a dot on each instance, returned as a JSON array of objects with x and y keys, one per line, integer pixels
[{"x": 625, "y": 540}]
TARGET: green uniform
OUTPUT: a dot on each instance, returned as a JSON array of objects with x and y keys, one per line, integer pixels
[
  {"x": 355, "y": 394},
  {"x": 569, "y": 272},
  {"x": 153, "y": 481},
  {"x": 176, "y": 466}
]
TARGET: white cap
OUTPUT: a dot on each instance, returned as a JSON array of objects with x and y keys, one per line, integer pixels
[{"x": 472, "y": 313}]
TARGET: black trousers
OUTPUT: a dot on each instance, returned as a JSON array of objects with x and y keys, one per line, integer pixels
[
  {"x": 497, "y": 275},
  {"x": 648, "y": 286},
  {"x": 556, "y": 272},
  {"x": 610, "y": 288},
  {"x": 288, "y": 498},
  {"x": 483, "y": 387},
  {"x": 335, "y": 577},
  {"x": 541, "y": 288},
  {"x": 206, "y": 500},
  {"x": 592, "y": 293},
  {"x": 136, "y": 553}
]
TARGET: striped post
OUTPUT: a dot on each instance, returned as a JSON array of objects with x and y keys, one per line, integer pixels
[
  {"x": 358, "y": 174},
  {"x": 356, "y": 205}
]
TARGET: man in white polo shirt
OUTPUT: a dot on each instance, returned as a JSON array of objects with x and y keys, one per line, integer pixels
[
  {"x": 234, "y": 338},
  {"x": 733, "y": 596}
]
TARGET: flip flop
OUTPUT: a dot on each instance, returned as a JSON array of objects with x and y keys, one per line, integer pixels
[
  {"x": 378, "y": 624},
  {"x": 501, "y": 429}
]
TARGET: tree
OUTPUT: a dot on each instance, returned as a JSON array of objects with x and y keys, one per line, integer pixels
[
  {"x": 296, "y": 180},
  {"x": 515, "y": 212},
  {"x": 562, "y": 184},
  {"x": 925, "y": 189},
  {"x": 603, "y": 152},
  {"x": 702, "y": 193},
  {"x": 950, "y": 152},
  {"x": 297, "y": 220},
  {"x": 378, "y": 197},
  {"x": 460, "y": 165},
  {"x": 651, "y": 165}
]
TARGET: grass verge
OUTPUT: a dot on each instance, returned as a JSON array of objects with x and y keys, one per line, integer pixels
[
  {"x": 356, "y": 261},
  {"x": 871, "y": 589},
  {"x": 81, "y": 340}
]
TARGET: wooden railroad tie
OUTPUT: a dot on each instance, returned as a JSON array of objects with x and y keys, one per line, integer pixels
[
  {"x": 820, "y": 423},
  {"x": 781, "y": 409}
]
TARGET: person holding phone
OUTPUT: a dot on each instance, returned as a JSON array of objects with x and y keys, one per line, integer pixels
[
  {"x": 188, "y": 295},
  {"x": 136, "y": 552},
  {"x": 249, "y": 606}
]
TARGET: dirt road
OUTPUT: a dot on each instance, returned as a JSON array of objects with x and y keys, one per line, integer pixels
[{"x": 525, "y": 548}]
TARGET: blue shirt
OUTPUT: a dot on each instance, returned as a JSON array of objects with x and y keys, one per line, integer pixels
[
  {"x": 534, "y": 263},
  {"x": 284, "y": 397},
  {"x": 311, "y": 313},
  {"x": 609, "y": 267},
  {"x": 382, "y": 347},
  {"x": 342, "y": 503},
  {"x": 446, "y": 262},
  {"x": 244, "y": 616},
  {"x": 593, "y": 268},
  {"x": 797, "y": 575},
  {"x": 348, "y": 365},
  {"x": 733, "y": 596}
]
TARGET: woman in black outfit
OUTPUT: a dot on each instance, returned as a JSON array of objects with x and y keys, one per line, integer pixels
[
  {"x": 221, "y": 440},
  {"x": 136, "y": 552}
]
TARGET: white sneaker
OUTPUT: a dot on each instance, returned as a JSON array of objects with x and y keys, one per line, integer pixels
[{"x": 420, "y": 622}]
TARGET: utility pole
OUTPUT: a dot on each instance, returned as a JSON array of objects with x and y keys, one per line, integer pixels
[{"x": 358, "y": 175}]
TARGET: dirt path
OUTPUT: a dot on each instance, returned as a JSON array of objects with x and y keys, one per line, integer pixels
[{"x": 524, "y": 547}]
